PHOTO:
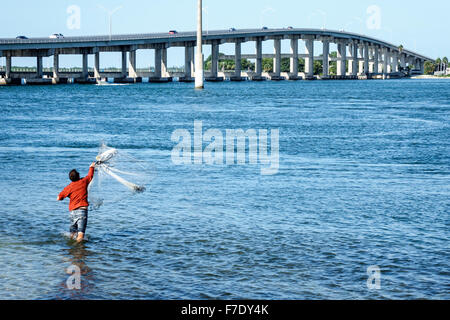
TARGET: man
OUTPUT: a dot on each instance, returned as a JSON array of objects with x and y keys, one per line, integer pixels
[{"x": 78, "y": 194}]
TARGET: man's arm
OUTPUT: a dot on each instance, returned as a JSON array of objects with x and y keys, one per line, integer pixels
[
  {"x": 62, "y": 195},
  {"x": 90, "y": 175}
]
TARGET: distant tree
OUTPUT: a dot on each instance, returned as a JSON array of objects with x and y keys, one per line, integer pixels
[
  {"x": 267, "y": 64},
  {"x": 333, "y": 64},
  {"x": 208, "y": 61},
  {"x": 430, "y": 67},
  {"x": 285, "y": 65},
  {"x": 445, "y": 61},
  {"x": 301, "y": 65},
  {"x": 318, "y": 67},
  {"x": 228, "y": 64},
  {"x": 207, "y": 64},
  {"x": 400, "y": 48},
  {"x": 247, "y": 65}
]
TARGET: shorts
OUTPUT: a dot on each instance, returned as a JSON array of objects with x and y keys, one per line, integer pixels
[{"x": 78, "y": 220}]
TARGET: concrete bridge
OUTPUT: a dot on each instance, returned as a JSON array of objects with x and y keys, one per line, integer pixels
[{"x": 358, "y": 56}]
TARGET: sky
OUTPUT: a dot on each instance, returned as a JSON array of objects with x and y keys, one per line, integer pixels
[{"x": 419, "y": 26}]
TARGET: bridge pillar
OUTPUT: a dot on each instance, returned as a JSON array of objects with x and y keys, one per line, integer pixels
[
  {"x": 258, "y": 66},
  {"x": 187, "y": 64},
  {"x": 277, "y": 59},
  {"x": 342, "y": 58},
  {"x": 422, "y": 66},
  {"x": 371, "y": 53},
  {"x": 309, "y": 60},
  {"x": 389, "y": 62},
  {"x": 97, "y": 65},
  {"x": 214, "y": 60},
  {"x": 192, "y": 55},
  {"x": 8, "y": 66},
  {"x": 386, "y": 61},
  {"x": 394, "y": 62},
  {"x": 294, "y": 59},
  {"x": 164, "y": 68},
  {"x": 39, "y": 66},
  {"x": 402, "y": 61},
  {"x": 158, "y": 63},
  {"x": 381, "y": 56},
  {"x": 214, "y": 75},
  {"x": 376, "y": 53},
  {"x": 56, "y": 67},
  {"x": 349, "y": 57},
  {"x": 124, "y": 64},
  {"x": 85, "y": 73},
  {"x": 160, "y": 66},
  {"x": 238, "y": 59},
  {"x": 366, "y": 59},
  {"x": 361, "y": 62},
  {"x": 132, "y": 70},
  {"x": 237, "y": 62},
  {"x": 353, "y": 66},
  {"x": 326, "y": 59}
]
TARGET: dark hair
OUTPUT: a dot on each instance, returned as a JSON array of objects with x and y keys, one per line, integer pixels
[{"x": 74, "y": 175}]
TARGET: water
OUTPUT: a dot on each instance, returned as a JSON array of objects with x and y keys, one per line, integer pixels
[{"x": 363, "y": 180}]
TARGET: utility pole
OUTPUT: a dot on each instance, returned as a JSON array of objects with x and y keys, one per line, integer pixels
[{"x": 199, "y": 73}]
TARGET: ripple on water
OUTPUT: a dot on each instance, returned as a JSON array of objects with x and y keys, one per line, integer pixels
[{"x": 363, "y": 181}]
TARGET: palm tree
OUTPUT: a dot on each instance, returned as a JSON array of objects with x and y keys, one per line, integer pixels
[
  {"x": 438, "y": 64},
  {"x": 400, "y": 48}
]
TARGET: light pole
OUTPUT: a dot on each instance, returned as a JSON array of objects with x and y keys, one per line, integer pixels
[
  {"x": 265, "y": 11},
  {"x": 199, "y": 74},
  {"x": 110, "y": 14},
  {"x": 324, "y": 15}
]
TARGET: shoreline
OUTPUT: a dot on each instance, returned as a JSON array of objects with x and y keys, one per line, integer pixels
[{"x": 430, "y": 77}]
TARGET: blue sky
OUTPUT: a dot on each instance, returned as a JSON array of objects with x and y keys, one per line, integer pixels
[{"x": 420, "y": 26}]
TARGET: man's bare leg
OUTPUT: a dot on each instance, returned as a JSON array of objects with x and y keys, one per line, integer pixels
[{"x": 80, "y": 237}]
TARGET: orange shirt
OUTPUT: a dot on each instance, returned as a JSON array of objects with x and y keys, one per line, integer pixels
[{"x": 77, "y": 192}]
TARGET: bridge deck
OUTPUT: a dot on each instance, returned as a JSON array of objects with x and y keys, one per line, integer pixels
[{"x": 181, "y": 38}]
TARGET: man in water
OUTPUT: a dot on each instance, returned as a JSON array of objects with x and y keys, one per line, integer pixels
[{"x": 77, "y": 192}]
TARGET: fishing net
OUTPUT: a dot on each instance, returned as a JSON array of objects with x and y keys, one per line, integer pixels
[{"x": 118, "y": 175}]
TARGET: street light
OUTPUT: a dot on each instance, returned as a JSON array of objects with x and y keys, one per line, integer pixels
[
  {"x": 264, "y": 12},
  {"x": 324, "y": 16},
  {"x": 199, "y": 73},
  {"x": 110, "y": 14}
]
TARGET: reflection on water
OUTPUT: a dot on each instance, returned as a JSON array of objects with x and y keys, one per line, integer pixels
[{"x": 76, "y": 256}]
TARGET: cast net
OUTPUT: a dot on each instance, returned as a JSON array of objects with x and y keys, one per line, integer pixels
[{"x": 118, "y": 175}]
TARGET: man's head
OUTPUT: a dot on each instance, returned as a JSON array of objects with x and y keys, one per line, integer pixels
[{"x": 74, "y": 176}]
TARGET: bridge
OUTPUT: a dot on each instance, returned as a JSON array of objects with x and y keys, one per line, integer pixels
[{"x": 358, "y": 56}]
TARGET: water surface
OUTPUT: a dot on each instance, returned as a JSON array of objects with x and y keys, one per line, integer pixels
[{"x": 363, "y": 180}]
